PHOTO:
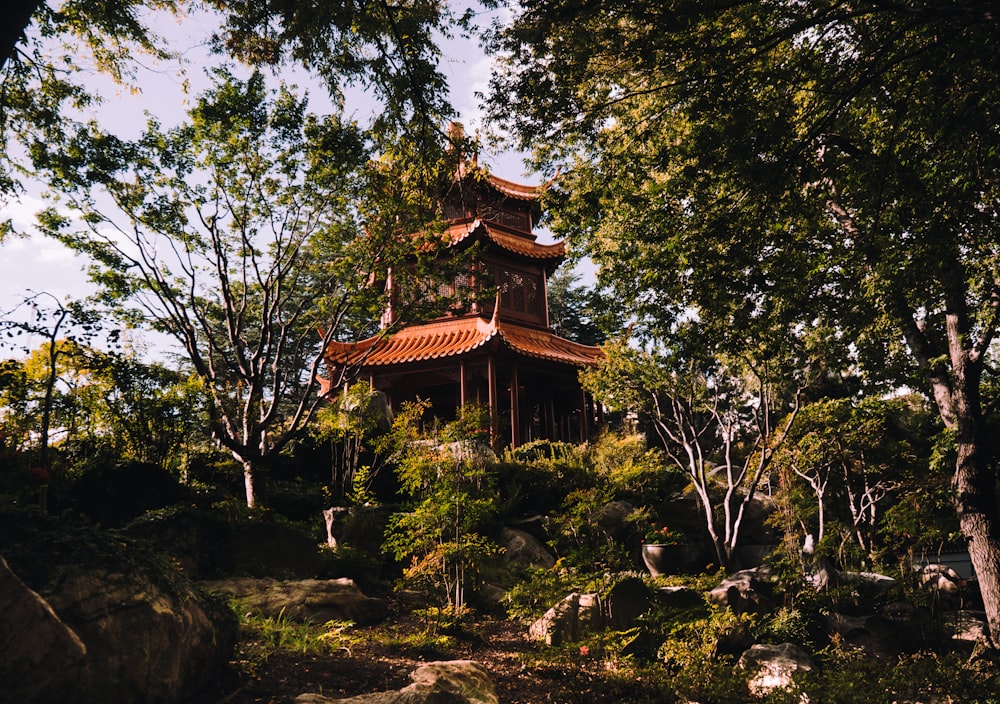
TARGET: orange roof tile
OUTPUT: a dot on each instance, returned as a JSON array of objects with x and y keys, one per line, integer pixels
[
  {"x": 458, "y": 336},
  {"x": 516, "y": 190},
  {"x": 517, "y": 243}
]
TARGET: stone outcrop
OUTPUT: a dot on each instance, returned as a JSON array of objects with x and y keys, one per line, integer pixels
[
  {"x": 524, "y": 549},
  {"x": 773, "y": 666},
  {"x": 876, "y": 635},
  {"x": 560, "y": 624},
  {"x": 443, "y": 682},
  {"x": 315, "y": 600},
  {"x": 39, "y": 654},
  {"x": 746, "y": 591},
  {"x": 110, "y": 622},
  {"x": 464, "y": 677},
  {"x": 580, "y": 614},
  {"x": 965, "y": 628},
  {"x": 387, "y": 698}
]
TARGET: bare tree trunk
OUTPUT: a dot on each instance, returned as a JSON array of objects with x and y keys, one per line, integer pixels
[{"x": 248, "y": 482}]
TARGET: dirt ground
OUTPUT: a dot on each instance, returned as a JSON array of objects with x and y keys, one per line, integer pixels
[{"x": 371, "y": 664}]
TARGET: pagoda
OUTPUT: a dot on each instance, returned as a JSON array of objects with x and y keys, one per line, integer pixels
[{"x": 498, "y": 350}]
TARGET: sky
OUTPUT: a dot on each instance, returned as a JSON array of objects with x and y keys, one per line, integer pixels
[{"x": 35, "y": 263}]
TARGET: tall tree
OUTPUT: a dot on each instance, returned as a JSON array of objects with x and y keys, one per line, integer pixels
[
  {"x": 49, "y": 49},
  {"x": 719, "y": 423},
  {"x": 253, "y": 234},
  {"x": 808, "y": 162}
]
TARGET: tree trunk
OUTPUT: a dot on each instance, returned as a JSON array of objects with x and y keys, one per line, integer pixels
[
  {"x": 18, "y": 14},
  {"x": 248, "y": 483},
  {"x": 975, "y": 502}
]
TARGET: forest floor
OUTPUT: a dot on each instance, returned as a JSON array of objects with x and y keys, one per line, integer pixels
[{"x": 381, "y": 658}]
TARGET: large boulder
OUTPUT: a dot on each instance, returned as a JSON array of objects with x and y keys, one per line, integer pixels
[
  {"x": 773, "y": 666},
  {"x": 40, "y": 655},
  {"x": 746, "y": 591},
  {"x": 315, "y": 600},
  {"x": 387, "y": 698},
  {"x": 114, "y": 623},
  {"x": 626, "y": 601},
  {"x": 464, "y": 677},
  {"x": 524, "y": 549},
  {"x": 965, "y": 628},
  {"x": 443, "y": 682},
  {"x": 876, "y": 635},
  {"x": 560, "y": 624}
]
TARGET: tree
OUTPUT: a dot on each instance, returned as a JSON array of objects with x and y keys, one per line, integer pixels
[
  {"x": 449, "y": 484},
  {"x": 719, "y": 424},
  {"x": 858, "y": 458},
  {"x": 808, "y": 162},
  {"x": 575, "y": 312},
  {"x": 392, "y": 48},
  {"x": 242, "y": 233},
  {"x": 65, "y": 327}
]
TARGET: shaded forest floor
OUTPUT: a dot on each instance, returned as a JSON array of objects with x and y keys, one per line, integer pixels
[{"x": 381, "y": 658}]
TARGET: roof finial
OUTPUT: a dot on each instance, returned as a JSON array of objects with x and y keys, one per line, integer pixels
[{"x": 456, "y": 134}]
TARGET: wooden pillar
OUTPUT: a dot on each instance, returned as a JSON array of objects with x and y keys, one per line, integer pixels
[
  {"x": 461, "y": 384},
  {"x": 515, "y": 415},
  {"x": 491, "y": 391},
  {"x": 583, "y": 416}
]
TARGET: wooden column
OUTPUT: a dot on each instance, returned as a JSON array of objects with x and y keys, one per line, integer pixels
[
  {"x": 491, "y": 390},
  {"x": 515, "y": 415},
  {"x": 462, "y": 398},
  {"x": 583, "y": 416}
]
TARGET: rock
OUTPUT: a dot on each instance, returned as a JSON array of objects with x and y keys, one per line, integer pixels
[
  {"x": 264, "y": 549},
  {"x": 944, "y": 584},
  {"x": 445, "y": 682},
  {"x": 626, "y": 601},
  {"x": 965, "y": 627},
  {"x": 315, "y": 600},
  {"x": 745, "y": 591},
  {"x": 328, "y": 515},
  {"x": 525, "y": 549},
  {"x": 876, "y": 635},
  {"x": 772, "y": 666},
  {"x": 678, "y": 597},
  {"x": 126, "y": 626},
  {"x": 560, "y": 624},
  {"x": 387, "y": 698},
  {"x": 490, "y": 597},
  {"x": 613, "y": 518},
  {"x": 754, "y": 555},
  {"x": 589, "y": 615},
  {"x": 39, "y": 654},
  {"x": 463, "y": 677}
]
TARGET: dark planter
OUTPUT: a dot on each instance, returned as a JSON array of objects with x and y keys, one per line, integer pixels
[{"x": 664, "y": 559}]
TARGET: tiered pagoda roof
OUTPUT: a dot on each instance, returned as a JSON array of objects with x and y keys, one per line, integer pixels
[
  {"x": 459, "y": 336},
  {"x": 507, "y": 239}
]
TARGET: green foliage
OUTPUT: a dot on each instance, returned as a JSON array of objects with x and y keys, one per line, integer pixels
[
  {"x": 768, "y": 171},
  {"x": 352, "y": 424},
  {"x": 635, "y": 472},
  {"x": 264, "y": 636},
  {"x": 847, "y": 677},
  {"x": 444, "y": 536},
  {"x": 538, "y": 590},
  {"x": 859, "y": 476},
  {"x": 719, "y": 419},
  {"x": 253, "y": 225},
  {"x": 575, "y": 312},
  {"x": 786, "y": 624}
]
